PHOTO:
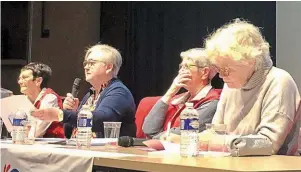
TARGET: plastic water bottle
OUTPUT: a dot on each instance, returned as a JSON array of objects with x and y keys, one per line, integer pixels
[
  {"x": 84, "y": 127},
  {"x": 189, "y": 145},
  {"x": 19, "y": 129}
]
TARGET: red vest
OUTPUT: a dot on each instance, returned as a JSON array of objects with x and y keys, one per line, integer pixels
[
  {"x": 174, "y": 111},
  {"x": 56, "y": 128}
]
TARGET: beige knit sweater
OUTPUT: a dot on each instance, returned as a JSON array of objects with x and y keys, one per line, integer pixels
[{"x": 266, "y": 106}]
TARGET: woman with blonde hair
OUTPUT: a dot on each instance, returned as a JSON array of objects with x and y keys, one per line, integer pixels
[{"x": 257, "y": 99}]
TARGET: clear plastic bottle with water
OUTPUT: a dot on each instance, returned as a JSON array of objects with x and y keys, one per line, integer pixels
[
  {"x": 189, "y": 145},
  {"x": 84, "y": 127},
  {"x": 19, "y": 129}
]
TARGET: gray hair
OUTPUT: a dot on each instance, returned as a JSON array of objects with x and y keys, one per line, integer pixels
[
  {"x": 200, "y": 58},
  {"x": 112, "y": 55}
]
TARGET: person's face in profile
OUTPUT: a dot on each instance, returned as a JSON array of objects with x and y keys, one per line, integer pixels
[
  {"x": 235, "y": 73},
  {"x": 95, "y": 66},
  {"x": 28, "y": 84}
]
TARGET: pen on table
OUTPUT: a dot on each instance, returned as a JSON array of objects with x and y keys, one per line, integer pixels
[{"x": 168, "y": 129}]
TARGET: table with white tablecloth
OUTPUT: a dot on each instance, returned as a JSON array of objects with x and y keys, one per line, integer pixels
[{"x": 52, "y": 157}]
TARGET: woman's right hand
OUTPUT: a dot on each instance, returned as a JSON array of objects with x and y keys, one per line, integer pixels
[
  {"x": 70, "y": 103},
  {"x": 180, "y": 81}
]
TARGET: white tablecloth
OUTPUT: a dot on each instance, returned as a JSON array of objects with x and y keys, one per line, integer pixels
[{"x": 48, "y": 158}]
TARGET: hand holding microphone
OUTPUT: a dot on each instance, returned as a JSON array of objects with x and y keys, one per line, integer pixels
[{"x": 71, "y": 102}]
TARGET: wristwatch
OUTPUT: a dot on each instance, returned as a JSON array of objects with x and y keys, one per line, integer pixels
[{"x": 60, "y": 116}]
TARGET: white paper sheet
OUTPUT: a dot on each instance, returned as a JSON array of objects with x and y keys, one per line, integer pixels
[
  {"x": 171, "y": 147},
  {"x": 174, "y": 148},
  {"x": 10, "y": 105},
  {"x": 72, "y": 142},
  {"x": 94, "y": 141}
]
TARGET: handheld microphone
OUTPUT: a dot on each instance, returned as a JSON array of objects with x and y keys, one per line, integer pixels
[
  {"x": 75, "y": 89},
  {"x": 127, "y": 141}
]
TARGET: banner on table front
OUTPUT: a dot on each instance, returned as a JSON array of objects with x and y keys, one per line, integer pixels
[{"x": 19, "y": 160}]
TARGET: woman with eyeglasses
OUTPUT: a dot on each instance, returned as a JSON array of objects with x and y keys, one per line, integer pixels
[
  {"x": 195, "y": 76},
  {"x": 258, "y": 99},
  {"x": 33, "y": 81},
  {"x": 108, "y": 98}
]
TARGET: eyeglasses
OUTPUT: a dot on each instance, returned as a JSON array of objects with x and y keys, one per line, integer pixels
[
  {"x": 91, "y": 63},
  {"x": 222, "y": 71},
  {"x": 25, "y": 78},
  {"x": 187, "y": 66}
]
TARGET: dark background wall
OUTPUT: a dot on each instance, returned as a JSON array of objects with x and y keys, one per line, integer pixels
[{"x": 150, "y": 36}]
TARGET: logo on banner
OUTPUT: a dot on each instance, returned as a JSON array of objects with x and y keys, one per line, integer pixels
[{"x": 7, "y": 167}]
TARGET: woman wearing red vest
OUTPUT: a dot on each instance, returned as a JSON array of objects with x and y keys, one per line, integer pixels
[
  {"x": 33, "y": 81},
  {"x": 195, "y": 76}
]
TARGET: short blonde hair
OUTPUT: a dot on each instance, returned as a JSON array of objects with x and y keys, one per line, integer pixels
[
  {"x": 238, "y": 40},
  {"x": 112, "y": 55},
  {"x": 200, "y": 58}
]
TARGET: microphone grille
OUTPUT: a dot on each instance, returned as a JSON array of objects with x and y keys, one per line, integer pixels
[
  {"x": 125, "y": 141},
  {"x": 77, "y": 81}
]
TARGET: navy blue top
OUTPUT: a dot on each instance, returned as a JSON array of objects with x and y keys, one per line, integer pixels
[{"x": 115, "y": 103}]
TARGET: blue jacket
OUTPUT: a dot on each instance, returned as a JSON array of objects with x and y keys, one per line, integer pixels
[{"x": 115, "y": 103}]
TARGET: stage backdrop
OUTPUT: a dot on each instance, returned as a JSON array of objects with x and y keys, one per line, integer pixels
[{"x": 151, "y": 35}]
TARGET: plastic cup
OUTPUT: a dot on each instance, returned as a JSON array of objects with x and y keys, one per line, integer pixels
[
  {"x": 111, "y": 133},
  {"x": 30, "y": 132}
]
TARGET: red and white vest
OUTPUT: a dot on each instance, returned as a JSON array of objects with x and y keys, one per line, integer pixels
[{"x": 56, "y": 128}]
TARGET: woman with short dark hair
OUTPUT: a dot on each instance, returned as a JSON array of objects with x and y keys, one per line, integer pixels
[{"x": 33, "y": 81}]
